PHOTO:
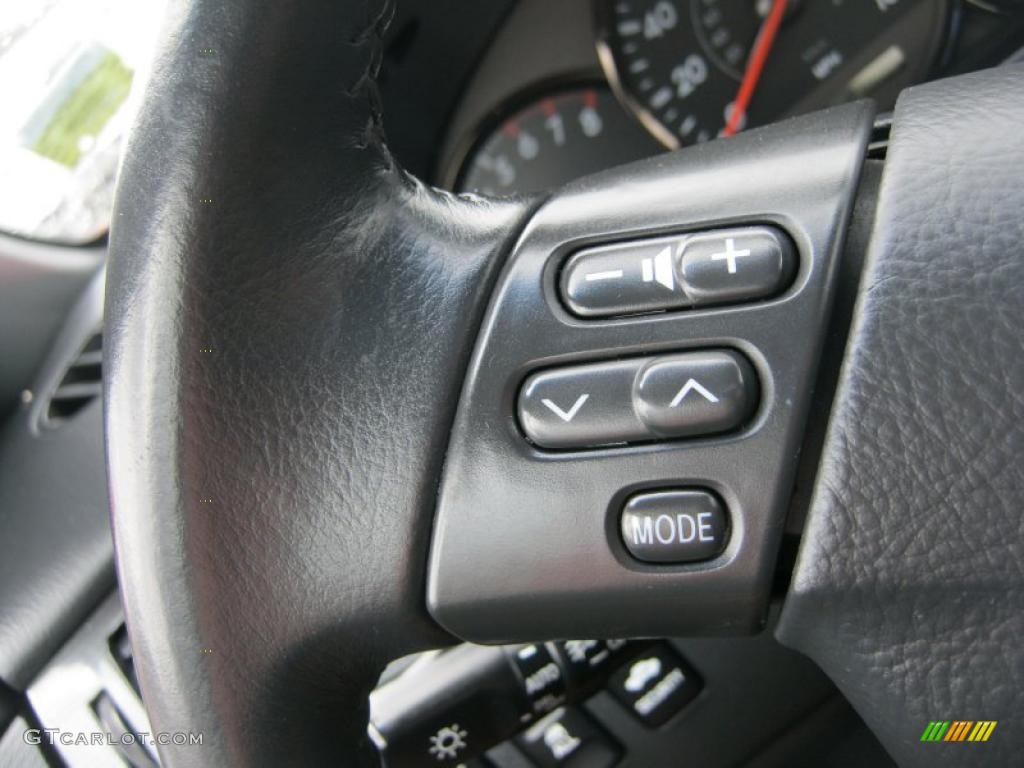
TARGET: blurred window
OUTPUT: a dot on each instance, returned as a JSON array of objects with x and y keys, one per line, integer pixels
[{"x": 66, "y": 69}]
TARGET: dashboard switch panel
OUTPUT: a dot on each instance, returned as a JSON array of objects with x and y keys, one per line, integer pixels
[
  {"x": 681, "y": 526},
  {"x": 451, "y": 707},
  {"x": 721, "y": 266},
  {"x": 668, "y": 396}
]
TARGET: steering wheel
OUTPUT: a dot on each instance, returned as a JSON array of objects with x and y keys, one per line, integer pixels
[{"x": 315, "y": 363}]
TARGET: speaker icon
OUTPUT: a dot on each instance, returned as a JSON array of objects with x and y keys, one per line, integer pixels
[{"x": 659, "y": 268}]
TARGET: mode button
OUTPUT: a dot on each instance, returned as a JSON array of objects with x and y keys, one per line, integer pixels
[{"x": 681, "y": 526}]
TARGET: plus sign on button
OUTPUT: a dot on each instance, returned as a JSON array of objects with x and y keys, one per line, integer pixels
[{"x": 737, "y": 264}]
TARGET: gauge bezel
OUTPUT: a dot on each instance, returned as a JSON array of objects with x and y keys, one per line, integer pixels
[
  {"x": 455, "y": 170},
  {"x": 605, "y": 55},
  {"x": 939, "y": 44}
]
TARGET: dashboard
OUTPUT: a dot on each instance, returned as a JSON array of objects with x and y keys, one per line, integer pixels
[{"x": 570, "y": 88}]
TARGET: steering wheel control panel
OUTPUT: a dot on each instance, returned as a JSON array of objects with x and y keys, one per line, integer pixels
[
  {"x": 451, "y": 707},
  {"x": 628, "y": 430},
  {"x": 704, "y": 269},
  {"x": 626, "y": 401}
]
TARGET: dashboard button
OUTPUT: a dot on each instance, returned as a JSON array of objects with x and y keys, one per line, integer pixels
[
  {"x": 681, "y": 526},
  {"x": 699, "y": 393},
  {"x": 721, "y": 266},
  {"x": 585, "y": 660},
  {"x": 599, "y": 404},
  {"x": 569, "y": 739},
  {"x": 542, "y": 676},
  {"x": 655, "y": 686},
  {"x": 589, "y": 663},
  {"x": 734, "y": 265}
]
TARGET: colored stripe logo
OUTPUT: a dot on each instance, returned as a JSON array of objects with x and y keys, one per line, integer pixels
[{"x": 959, "y": 730}]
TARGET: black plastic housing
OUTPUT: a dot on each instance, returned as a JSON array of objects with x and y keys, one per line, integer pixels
[{"x": 526, "y": 542}]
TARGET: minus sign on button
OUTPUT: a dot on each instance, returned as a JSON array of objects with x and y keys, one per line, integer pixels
[{"x": 612, "y": 274}]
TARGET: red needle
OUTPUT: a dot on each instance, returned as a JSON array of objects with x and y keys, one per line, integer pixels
[{"x": 758, "y": 56}]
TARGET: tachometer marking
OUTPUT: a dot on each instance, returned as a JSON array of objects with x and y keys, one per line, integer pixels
[
  {"x": 661, "y": 97},
  {"x": 630, "y": 27},
  {"x": 552, "y": 139}
]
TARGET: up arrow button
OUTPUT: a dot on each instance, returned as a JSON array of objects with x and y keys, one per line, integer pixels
[
  {"x": 697, "y": 393},
  {"x": 692, "y": 385}
]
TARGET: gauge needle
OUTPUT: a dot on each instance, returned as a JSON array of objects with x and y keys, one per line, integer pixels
[{"x": 758, "y": 56}]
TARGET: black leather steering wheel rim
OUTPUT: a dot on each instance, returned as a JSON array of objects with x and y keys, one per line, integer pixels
[
  {"x": 289, "y": 320},
  {"x": 908, "y": 590},
  {"x": 260, "y": 613}
]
